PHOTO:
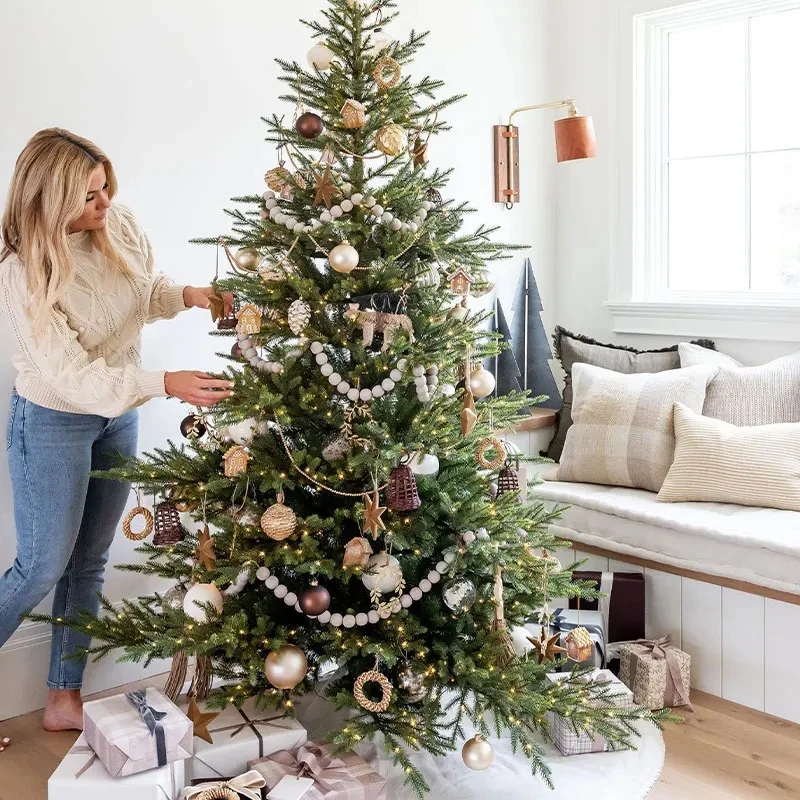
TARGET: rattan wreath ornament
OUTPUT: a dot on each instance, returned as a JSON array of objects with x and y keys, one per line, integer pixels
[
  {"x": 387, "y": 73},
  {"x": 130, "y": 517},
  {"x": 485, "y": 448},
  {"x": 373, "y": 676}
]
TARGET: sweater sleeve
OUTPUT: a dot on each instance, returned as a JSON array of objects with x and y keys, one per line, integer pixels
[
  {"x": 166, "y": 296},
  {"x": 59, "y": 360}
]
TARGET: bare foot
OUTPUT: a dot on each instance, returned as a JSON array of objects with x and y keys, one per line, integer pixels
[
  {"x": 64, "y": 711},
  {"x": 4, "y": 742}
]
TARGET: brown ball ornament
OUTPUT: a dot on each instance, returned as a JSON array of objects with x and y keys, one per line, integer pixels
[
  {"x": 309, "y": 125},
  {"x": 286, "y": 667},
  {"x": 193, "y": 427},
  {"x": 236, "y": 351},
  {"x": 315, "y": 600}
]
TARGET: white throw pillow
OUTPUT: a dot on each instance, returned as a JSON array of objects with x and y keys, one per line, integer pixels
[
  {"x": 622, "y": 432},
  {"x": 719, "y": 462},
  {"x": 763, "y": 395}
]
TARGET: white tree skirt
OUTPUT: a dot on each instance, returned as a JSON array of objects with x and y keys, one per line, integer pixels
[{"x": 629, "y": 774}]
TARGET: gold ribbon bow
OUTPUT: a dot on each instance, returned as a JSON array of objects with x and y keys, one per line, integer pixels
[
  {"x": 661, "y": 649},
  {"x": 245, "y": 785}
]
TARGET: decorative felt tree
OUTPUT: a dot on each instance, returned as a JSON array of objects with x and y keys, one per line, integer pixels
[
  {"x": 343, "y": 492},
  {"x": 530, "y": 342}
]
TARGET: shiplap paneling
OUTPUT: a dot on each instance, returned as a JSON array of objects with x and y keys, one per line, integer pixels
[
  {"x": 621, "y": 566},
  {"x": 662, "y": 605},
  {"x": 593, "y": 563},
  {"x": 743, "y": 648},
  {"x": 781, "y": 656},
  {"x": 701, "y": 633}
]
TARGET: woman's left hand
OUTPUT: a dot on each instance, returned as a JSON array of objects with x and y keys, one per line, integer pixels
[{"x": 197, "y": 297}]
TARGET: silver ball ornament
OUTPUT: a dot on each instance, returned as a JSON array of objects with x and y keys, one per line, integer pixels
[
  {"x": 411, "y": 682},
  {"x": 172, "y": 599},
  {"x": 459, "y": 594}
]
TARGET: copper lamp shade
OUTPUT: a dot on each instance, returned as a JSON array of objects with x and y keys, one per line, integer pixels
[{"x": 575, "y": 139}]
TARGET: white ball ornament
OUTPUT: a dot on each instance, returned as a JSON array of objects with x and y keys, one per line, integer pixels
[
  {"x": 316, "y": 348},
  {"x": 268, "y": 195},
  {"x": 201, "y": 593},
  {"x": 447, "y": 389},
  {"x": 280, "y": 591},
  {"x": 271, "y": 582},
  {"x": 382, "y": 574},
  {"x": 343, "y": 258},
  {"x": 396, "y": 375},
  {"x": 320, "y": 56},
  {"x": 321, "y": 358},
  {"x": 336, "y": 620},
  {"x": 426, "y": 464},
  {"x": 520, "y": 641},
  {"x": 377, "y": 210},
  {"x": 416, "y": 594},
  {"x": 373, "y": 617},
  {"x": 286, "y": 667},
  {"x": 361, "y": 619},
  {"x": 290, "y": 599},
  {"x": 477, "y": 753},
  {"x": 425, "y": 585},
  {"x": 325, "y": 216},
  {"x": 406, "y": 601},
  {"x": 349, "y": 621},
  {"x": 334, "y": 379},
  {"x": 324, "y": 617},
  {"x": 482, "y": 382},
  {"x": 262, "y": 573}
]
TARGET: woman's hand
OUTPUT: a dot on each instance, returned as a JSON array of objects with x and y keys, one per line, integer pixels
[
  {"x": 197, "y": 388},
  {"x": 197, "y": 297}
]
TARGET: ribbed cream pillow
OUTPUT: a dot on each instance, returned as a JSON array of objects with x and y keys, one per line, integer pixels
[
  {"x": 718, "y": 462},
  {"x": 762, "y": 395},
  {"x": 622, "y": 433}
]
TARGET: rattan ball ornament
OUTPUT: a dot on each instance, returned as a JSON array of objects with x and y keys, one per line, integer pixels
[
  {"x": 144, "y": 513},
  {"x": 277, "y": 178},
  {"x": 373, "y": 676},
  {"x": 279, "y": 521},
  {"x": 343, "y": 258},
  {"x": 391, "y": 139},
  {"x": 477, "y": 753},
  {"x": 488, "y": 446}
]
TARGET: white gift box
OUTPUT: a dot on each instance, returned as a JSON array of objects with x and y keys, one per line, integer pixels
[
  {"x": 131, "y": 736},
  {"x": 240, "y": 736},
  {"x": 81, "y": 776}
]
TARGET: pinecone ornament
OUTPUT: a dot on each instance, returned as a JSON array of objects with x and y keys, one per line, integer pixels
[{"x": 299, "y": 316}]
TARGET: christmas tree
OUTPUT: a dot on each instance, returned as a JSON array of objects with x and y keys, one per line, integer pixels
[
  {"x": 530, "y": 342},
  {"x": 346, "y": 483}
]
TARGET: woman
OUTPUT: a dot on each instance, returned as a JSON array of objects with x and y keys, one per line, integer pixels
[{"x": 77, "y": 283}]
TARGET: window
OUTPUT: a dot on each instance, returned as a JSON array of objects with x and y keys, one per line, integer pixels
[{"x": 715, "y": 198}]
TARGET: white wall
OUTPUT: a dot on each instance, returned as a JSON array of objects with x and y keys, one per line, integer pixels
[
  {"x": 584, "y": 67},
  {"x": 174, "y": 92}
]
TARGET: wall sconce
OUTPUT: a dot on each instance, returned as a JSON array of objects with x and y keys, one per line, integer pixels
[{"x": 574, "y": 139}]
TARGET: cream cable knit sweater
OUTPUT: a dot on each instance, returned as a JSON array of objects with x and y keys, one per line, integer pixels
[{"x": 87, "y": 360}]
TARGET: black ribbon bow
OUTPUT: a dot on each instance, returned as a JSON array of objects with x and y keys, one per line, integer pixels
[{"x": 152, "y": 719}]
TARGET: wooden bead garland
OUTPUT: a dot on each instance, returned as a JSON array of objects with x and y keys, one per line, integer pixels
[
  {"x": 485, "y": 447},
  {"x": 130, "y": 517},
  {"x": 279, "y": 521},
  {"x": 373, "y": 676}
]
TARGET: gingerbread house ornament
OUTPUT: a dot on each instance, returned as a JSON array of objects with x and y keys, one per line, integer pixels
[
  {"x": 236, "y": 460},
  {"x": 357, "y": 552},
  {"x": 580, "y": 646},
  {"x": 460, "y": 281},
  {"x": 354, "y": 114},
  {"x": 248, "y": 319}
]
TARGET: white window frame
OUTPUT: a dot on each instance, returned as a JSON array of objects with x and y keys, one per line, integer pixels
[{"x": 635, "y": 301}]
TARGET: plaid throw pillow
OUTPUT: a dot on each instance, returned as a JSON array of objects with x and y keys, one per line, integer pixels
[{"x": 622, "y": 430}]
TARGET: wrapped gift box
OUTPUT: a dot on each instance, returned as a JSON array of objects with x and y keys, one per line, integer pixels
[
  {"x": 240, "y": 736},
  {"x": 81, "y": 776},
  {"x": 343, "y": 777},
  {"x": 566, "y": 739},
  {"x": 657, "y": 672},
  {"x": 137, "y": 731}
]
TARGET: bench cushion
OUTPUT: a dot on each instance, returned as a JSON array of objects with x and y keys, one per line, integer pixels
[{"x": 757, "y": 545}]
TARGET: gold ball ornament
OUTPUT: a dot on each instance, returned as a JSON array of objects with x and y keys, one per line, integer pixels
[
  {"x": 343, "y": 258},
  {"x": 320, "y": 57},
  {"x": 482, "y": 382},
  {"x": 487, "y": 446},
  {"x": 387, "y": 73},
  {"x": 373, "y": 676},
  {"x": 477, "y": 753},
  {"x": 391, "y": 139},
  {"x": 279, "y": 521},
  {"x": 247, "y": 258},
  {"x": 286, "y": 667},
  {"x": 130, "y": 517}
]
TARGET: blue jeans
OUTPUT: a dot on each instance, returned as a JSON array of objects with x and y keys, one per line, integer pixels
[{"x": 65, "y": 520}]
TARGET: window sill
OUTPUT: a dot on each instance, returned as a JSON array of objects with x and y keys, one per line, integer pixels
[{"x": 772, "y": 322}]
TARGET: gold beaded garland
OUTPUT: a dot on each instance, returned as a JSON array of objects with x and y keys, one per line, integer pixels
[
  {"x": 279, "y": 521},
  {"x": 485, "y": 447},
  {"x": 387, "y": 73},
  {"x": 130, "y": 517},
  {"x": 373, "y": 676}
]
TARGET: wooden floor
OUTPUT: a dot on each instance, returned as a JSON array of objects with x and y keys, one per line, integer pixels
[{"x": 722, "y": 751}]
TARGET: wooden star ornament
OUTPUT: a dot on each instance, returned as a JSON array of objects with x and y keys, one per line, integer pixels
[
  {"x": 205, "y": 549},
  {"x": 373, "y": 512},
  {"x": 326, "y": 189},
  {"x": 469, "y": 417},
  {"x": 200, "y": 720},
  {"x": 546, "y": 646},
  {"x": 216, "y": 304}
]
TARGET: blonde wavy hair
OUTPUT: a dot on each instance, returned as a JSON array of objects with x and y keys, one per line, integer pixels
[{"x": 47, "y": 194}]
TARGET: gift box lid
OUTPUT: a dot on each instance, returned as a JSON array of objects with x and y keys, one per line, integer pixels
[{"x": 119, "y": 722}]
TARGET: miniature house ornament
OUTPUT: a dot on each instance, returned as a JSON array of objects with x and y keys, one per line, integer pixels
[
  {"x": 236, "y": 460},
  {"x": 249, "y": 319},
  {"x": 460, "y": 281}
]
